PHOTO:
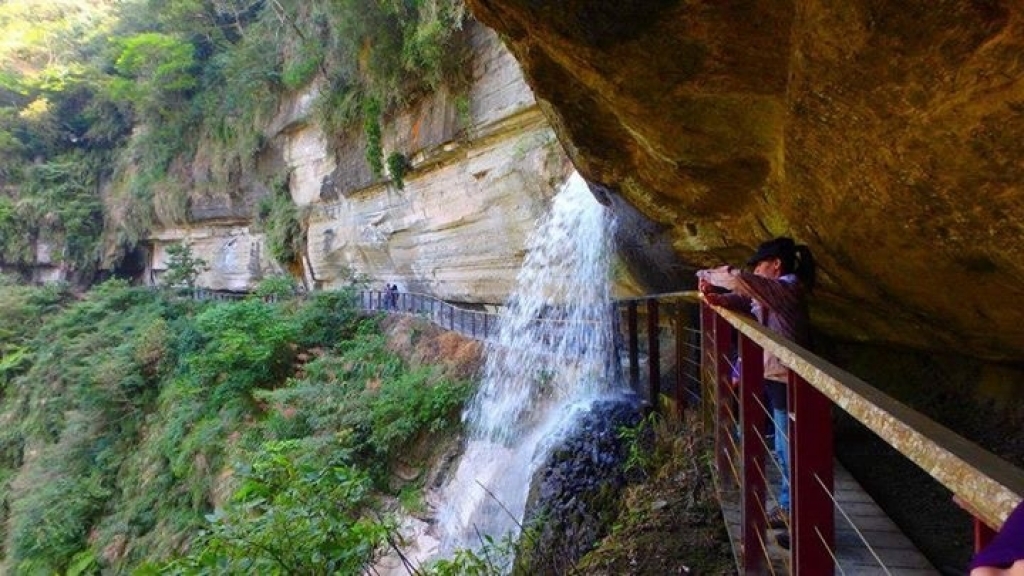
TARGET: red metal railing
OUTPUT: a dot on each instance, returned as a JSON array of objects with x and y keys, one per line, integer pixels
[
  {"x": 982, "y": 483},
  {"x": 812, "y": 527}
]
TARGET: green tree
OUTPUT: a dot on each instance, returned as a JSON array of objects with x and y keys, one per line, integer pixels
[
  {"x": 156, "y": 72},
  {"x": 183, "y": 267}
]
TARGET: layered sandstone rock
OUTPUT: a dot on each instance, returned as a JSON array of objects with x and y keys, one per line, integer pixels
[
  {"x": 235, "y": 256},
  {"x": 883, "y": 134},
  {"x": 481, "y": 174}
]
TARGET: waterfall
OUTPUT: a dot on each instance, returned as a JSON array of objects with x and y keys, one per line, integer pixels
[{"x": 554, "y": 355}]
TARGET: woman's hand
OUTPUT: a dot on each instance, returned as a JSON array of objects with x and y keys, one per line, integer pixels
[
  {"x": 710, "y": 280},
  {"x": 722, "y": 277},
  {"x": 715, "y": 299}
]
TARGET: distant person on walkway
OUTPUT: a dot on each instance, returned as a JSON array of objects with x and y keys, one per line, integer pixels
[
  {"x": 394, "y": 296},
  {"x": 776, "y": 292},
  {"x": 1004, "y": 555}
]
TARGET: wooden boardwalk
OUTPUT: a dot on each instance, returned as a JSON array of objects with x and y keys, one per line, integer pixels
[{"x": 886, "y": 551}]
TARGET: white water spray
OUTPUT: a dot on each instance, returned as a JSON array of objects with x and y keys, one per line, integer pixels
[{"x": 553, "y": 356}]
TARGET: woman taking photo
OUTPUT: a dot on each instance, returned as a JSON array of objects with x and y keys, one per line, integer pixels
[{"x": 775, "y": 291}]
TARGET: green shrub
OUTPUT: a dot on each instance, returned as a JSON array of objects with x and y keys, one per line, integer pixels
[
  {"x": 279, "y": 219},
  {"x": 492, "y": 559},
  {"x": 66, "y": 206},
  {"x": 155, "y": 71},
  {"x": 23, "y": 310},
  {"x": 291, "y": 515},
  {"x": 326, "y": 319},
  {"x": 248, "y": 344},
  {"x": 43, "y": 534},
  {"x": 398, "y": 165},
  {"x": 279, "y": 286},
  {"x": 372, "y": 131},
  {"x": 411, "y": 404},
  {"x": 298, "y": 74}
]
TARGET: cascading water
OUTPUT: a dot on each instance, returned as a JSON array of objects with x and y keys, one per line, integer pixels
[{"x": 554, "y": 355}]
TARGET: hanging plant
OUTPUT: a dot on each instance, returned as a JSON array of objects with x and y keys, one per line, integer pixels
[{"x": 398, "y": 167}]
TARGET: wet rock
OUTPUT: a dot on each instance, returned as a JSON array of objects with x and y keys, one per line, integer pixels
[{"x": 575, "y": 493}]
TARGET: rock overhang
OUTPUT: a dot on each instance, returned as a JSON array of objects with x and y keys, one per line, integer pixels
[{"x": 883, "y": 135}]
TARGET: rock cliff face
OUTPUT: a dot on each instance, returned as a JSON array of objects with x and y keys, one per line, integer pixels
[
  {"x": 482, "y": 172},
  {"x": 883, "y": 134}
]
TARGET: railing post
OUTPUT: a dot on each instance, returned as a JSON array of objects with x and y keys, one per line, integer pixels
[
  {"x": 708, "y": 391},
  {"x": 378, "y": 298},
  {"x": 723, "y": 422},
  {"x": 485, "y": 326},
  {"x": 983, "y": 534},
  {"x": 634, "y": 347},
  {"x": 752, "y": 421},
  {"x": 812, "y": 474},
  {"x": 451, "y": 317},
  {"x": 653, "y": 354},
  {"x": 472, "y": 324},
  {"x": 680, "y": 357}
]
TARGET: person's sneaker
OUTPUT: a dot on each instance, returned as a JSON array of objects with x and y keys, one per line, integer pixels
[
  {"x": 782, "y": 540},
  {"x": 778, "y": 518}
]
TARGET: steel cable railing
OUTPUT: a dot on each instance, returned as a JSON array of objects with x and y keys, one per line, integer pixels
[
  {"x": 881, "y": 565},
  {"x": 990, "y": 487}
]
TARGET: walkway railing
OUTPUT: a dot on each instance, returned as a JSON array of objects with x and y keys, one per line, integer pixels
[
  {"x": 703, "y": 347},
  {"x": 476, "y": 324},
  {"x": 984, "y": 484}
]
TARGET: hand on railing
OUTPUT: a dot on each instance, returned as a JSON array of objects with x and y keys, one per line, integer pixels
[{"x": 712, "y": 293}]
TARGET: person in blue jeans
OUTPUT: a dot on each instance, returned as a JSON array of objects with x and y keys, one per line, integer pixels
[{"x": 775, "y": 290}]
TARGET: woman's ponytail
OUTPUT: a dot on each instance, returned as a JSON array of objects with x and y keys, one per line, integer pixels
[{"x": 805, "y": 268}]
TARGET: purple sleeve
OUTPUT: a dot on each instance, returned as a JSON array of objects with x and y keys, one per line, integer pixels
[{"x": 1008, "y": 545}]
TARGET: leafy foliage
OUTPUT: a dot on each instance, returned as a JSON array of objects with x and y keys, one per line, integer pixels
[
  {"x": 371, "y": 127},
  {"x": 155, "y": 72},
  {"x": 182, "y": 266},
  {"x": 277, "y": 286},
  {"x": 491, "y": 559},
  {"x": 277, "y": 521},
  {"x": 167, "y": 98},
  {"x": 398, "y": 165},
  {"x": 279, "y": 218},
  {"x": 144, "y": 413}
]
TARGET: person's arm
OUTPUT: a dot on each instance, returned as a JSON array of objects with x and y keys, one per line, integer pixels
[
  {"x": 769, "y": 292},
  {"x": 731, "y": 300}
]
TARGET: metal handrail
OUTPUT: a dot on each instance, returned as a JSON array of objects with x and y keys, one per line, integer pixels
[{"x": 988, "y": 484}]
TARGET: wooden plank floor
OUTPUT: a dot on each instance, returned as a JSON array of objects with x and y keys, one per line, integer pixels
[{"x": 886, "y": 545}]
